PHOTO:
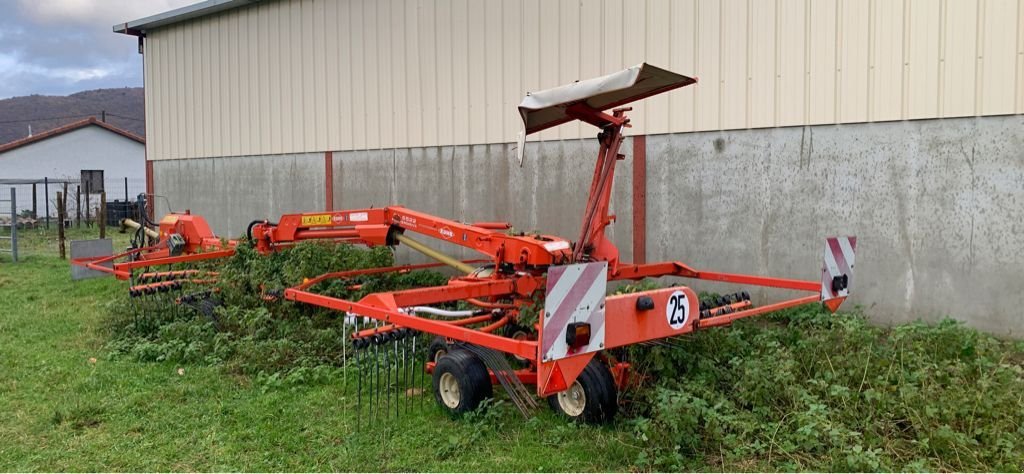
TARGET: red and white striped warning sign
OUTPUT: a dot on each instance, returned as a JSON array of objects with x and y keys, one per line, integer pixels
[
  {"x": 837, "y": 269},
  {"x": 575, "y": 294}
]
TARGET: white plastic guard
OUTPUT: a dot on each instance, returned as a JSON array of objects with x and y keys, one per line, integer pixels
[
  {"x": 575, "y": 294},
  {"x": 837, "y": 269}
]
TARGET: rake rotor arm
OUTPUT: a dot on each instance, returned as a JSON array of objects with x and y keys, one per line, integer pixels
[
  {"x": 385, "y": 307},
  {"x": 183, "y": 237},
  {"x": 385, "y": 226},
  {"x": 679, "y": 269}
]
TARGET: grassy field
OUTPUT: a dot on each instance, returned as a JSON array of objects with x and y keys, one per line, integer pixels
[
  {"x": 785, "y": 393},
  {"x": 67, "y": 406}
]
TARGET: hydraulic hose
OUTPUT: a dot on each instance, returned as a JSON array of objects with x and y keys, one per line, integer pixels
[
  {"x": 127, "y": 223},
  {"x": 248, "y": 229},
  {"x": 434, "y": 254},
  {"x": 444, "y": 313}
]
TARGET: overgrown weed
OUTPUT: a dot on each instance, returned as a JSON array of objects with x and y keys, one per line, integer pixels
[
  {"x": 817, "y": 391},
  {"x": 797, "y": 390},
  {"x": 253, "y": 335}
]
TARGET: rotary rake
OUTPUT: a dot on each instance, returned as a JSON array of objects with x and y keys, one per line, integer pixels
[
  {"x": 154, "y": 262},
  {"x": 533, "y": 312}
]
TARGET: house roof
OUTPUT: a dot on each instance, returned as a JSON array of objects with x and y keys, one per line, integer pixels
[
  {"x": 69, "y": 128},
  {"x": 208, "y": 7}
]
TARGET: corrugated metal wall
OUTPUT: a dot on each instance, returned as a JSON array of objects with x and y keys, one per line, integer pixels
[{"x": 290, "y": 76}]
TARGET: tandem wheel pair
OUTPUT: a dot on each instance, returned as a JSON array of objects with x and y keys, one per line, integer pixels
[{"x": 461, "y": 382}]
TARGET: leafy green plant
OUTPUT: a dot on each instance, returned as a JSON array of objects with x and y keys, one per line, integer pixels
[
  {"x": 831, "y": 392},
  {"x": 253, "y": 335},
  {"x": 800, "y": 389}
]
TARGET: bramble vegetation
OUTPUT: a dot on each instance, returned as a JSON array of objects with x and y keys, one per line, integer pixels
[
  {"x": 813, "y": 391},
  {"x": 248, "y": 333}
]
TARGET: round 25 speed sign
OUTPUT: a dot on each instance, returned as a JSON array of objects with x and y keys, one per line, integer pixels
[{"x": 677, "y": 311}]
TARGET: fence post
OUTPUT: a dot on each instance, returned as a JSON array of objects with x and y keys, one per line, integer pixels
[
  {"x": 35, "y": 209},
  {"x": 14, "y": 226},
  {"x": 87, "y": 204},
  {"x": 61, "y": 212},
  {"x": 46, "y": 200},
  {"x": 103, "y": 214},
  {"x": 78, "y": 206},
  {"x": 65, "y": 204}
]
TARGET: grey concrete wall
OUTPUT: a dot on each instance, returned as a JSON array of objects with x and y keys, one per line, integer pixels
[
  {"x": 231, "y": 192},
  {"x": 486, "y": 183},
  {"x": 937, "y": 205}
]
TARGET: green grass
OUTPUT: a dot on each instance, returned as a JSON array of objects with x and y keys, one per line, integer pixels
[
  {"x": 43, "y": 242},
  {"x": 62, "y": 412},
  {"x": 799, "y": 390}
]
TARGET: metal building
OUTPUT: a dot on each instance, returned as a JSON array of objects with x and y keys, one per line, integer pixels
[{"x": 897, "y": 120}]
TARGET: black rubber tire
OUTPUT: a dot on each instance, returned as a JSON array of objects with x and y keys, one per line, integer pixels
[
  {"x": 470, "y": 373},
  {"x": 438, "y": 346},
  {"x": 601, "y": 402}
]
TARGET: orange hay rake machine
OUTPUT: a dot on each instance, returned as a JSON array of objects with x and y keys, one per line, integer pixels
[{"x": 539, "y": 302}]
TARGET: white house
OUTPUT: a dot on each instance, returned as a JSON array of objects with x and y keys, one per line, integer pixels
[{"x": 64, "y": 152}]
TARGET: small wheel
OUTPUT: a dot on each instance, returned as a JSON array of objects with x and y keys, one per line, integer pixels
[
  {"x": 592, "y": 398},
  {"x": 519, "y": 333},
  {"x": 461, "y": 382},
  {"x": 438, "y": 348}
]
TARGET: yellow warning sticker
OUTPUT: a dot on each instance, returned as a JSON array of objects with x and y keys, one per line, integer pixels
[{"x": 317, "y": 219}]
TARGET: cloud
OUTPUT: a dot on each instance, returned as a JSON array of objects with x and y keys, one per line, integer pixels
[
  {"x": 88, "y": 12},
  {"x": 57, "y": 47}
]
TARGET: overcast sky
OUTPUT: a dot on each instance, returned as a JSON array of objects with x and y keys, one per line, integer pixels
[{"x": 58, "y": 47}]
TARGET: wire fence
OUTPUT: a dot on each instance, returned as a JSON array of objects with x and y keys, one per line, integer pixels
[
  {"x": 9, "y": 207},
  {"x": 37, "y": 201}
]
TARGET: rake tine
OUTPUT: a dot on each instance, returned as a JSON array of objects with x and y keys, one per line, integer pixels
[
  {"x": 405, "y": 370},
  {"x": 157, "y": 307},
  {"x": 344, "y": 354},
  {"x": 133, "y": 300},
  {"x": 178, "y": 313},
  {"x": 394, "y": 362},
  {"x": 385, "y": 388},
  {"x": 375, "y": 377},
  {"x": 382, "y": 387},
  {"x": 359, "y": 387},
  {"x": 412, "y": 367},
  {"x": 410, "y": 388},
  {"x": 147, "y": 301},
  {"x": 377, "y": 385},
  {"x": 162, "y": 295},
  {"x": 673, "y": 343},
  {"x": 501, "y": 369},
  {"x": 397, "y": 386},
  {"x": 405, "y": 367},
  {"x": 387, "y": 377},
  {"x": 420, "y": 370}
]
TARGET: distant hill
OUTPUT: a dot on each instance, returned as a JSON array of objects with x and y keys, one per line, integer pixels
[{"x": 41, "y": 110}]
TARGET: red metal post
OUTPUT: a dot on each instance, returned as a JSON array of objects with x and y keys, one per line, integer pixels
[
  {"x": 640, "y": 199},
  {"x": 329, "y": 180}
]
